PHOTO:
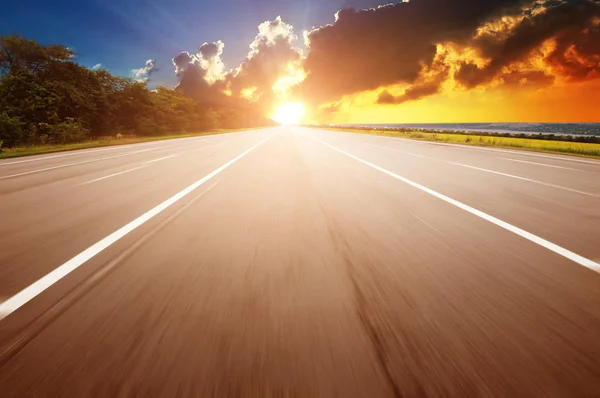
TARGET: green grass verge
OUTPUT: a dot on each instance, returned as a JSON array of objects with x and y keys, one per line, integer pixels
[
  {"x": 106, "y": 141},
  {"x": 583, "y": 149}
]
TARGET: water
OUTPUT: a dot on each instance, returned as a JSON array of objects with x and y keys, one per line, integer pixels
[{"x": 584, "y": 129}]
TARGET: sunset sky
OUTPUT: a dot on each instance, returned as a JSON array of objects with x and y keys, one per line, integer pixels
[{"x": 419, "y": 61}]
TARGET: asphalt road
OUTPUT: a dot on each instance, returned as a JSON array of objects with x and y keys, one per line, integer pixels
[{"x": 296, "y": 262}]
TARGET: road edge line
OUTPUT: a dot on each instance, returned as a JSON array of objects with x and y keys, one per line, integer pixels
[
  {"x": 503, "y": 224},
  {"x": 24, "y": 296}
]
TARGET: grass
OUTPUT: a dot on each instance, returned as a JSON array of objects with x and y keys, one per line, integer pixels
[
  {"x": 6, "y": 153},
  {"x": 584, "y": 149}
]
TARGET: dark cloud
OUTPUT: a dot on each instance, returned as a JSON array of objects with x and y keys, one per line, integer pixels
[
  {"x": 419, "y": 44},
  {"x": 414, "y": 92},
  {"x": 571, "y": 23},
  {"x": 191, "y": 76},
  {"x": 211, "y": 50},
  {"x": 205, "y": 65},
  {"x": 577, "y": 52},
  {"x": 429, "y": 82},
  {"x": 199, "y": 75},
  {"x": 183, "y": 62},
  {"x": 368, "y": 49},
  {"x": 386, "y": 98},
  {"x": 535, "y": 78}
]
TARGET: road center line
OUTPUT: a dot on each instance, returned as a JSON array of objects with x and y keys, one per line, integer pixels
[
  {"x": 502, "y": 224},
  {"x": 493, "y": 172},
  {"x": 520, "y": 178},
  {"x": 381, "y": 147},
  {"x": 564, "y": 158},
  {"x": 79, "y": 152},
  {"x": 112, "y": 175},
  {"x": 25, "y": 295},
  {"x": 82, "y": 152},
  {"x": 541, "y": 164},
  {"x": 73, "y": 164},
  {"x": 159, "y": 159}
]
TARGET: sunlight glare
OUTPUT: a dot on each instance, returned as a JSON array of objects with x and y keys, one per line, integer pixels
[{"x": 290, "y": 113}]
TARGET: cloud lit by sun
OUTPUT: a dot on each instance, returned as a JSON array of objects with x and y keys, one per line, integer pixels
[
  {"x": 356, "y": 70},
  {"x": 290, "y": 113}
]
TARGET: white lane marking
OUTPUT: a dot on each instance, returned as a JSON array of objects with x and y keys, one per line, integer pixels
[
  {"x": 522, "y": 178},
  {"x": 75, "y": 152},
  {"x": 79, "y": 152},
  {"x": 424, "y": 156},
  {"x": 112, "y": 175},
  {"x": 509, "y": 227},
  {"x": 541, "y": 164},
  {"x": 381, "y": 147},
  {"x": 159, "y": 159},
  {"x": 73, "y": 164},
  {"x": 564, "y": 158},
  {"x": 522, "y": 153},
  {"x": 500, "y": 173},
  {"x": 25, "y": 295},
  {"x": 218, "y": 145}
]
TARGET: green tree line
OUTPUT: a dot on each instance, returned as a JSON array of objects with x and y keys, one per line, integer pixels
[{"x": 48, "y": 98}]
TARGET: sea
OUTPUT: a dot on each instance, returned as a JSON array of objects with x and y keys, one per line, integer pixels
[{"x": 579, "y": 129}]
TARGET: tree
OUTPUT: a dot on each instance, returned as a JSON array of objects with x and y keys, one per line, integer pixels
[
  {"x": 17, "y": 52},
  {"x": 46, "y": 97},
  {"x": 10, "y": 130}
]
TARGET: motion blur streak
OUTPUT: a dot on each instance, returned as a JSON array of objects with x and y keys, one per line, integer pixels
[
  {"x": 531, "y": 237},
  {"x": 303, "y": 272},
  {"x": 21, "y": 298}
]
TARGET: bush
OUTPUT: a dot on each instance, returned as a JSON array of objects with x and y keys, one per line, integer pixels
[
  {"x": 11, "y": 132},
  {"x": 147, "y": 127},
  {"x": 66, "y": 132}
]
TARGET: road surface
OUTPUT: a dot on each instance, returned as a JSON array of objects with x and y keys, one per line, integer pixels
[{"x": 298, "y": 262}]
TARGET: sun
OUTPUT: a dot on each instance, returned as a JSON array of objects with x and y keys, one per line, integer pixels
[{"x": 290, "y": 113}]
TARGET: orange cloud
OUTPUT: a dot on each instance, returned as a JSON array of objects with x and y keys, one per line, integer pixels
[
  {"x": 517, "y": 66},
  {"x": 423, "y": 60},
  {"x": 574, "y": 102}
]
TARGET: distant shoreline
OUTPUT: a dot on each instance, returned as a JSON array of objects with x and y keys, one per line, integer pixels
[
  {"x": 563, "y": 129},
  {"x": 578, "y": 145}
]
